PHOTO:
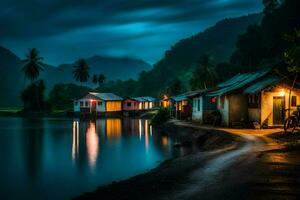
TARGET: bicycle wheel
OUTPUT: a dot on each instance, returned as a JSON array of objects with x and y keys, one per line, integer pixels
[{"x": 290, "y": 125}]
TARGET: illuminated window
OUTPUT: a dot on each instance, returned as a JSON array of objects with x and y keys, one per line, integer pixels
[
  {"x": 113, "y": 106},
  {"x": 294, "y": 101}
]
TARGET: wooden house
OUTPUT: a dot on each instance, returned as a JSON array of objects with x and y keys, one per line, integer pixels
[
  {"x": 131, "y": 104},
  {"x": 250, "y": 98},
  {"x": 98, "y": 102},
  {"x": 165, "y": 102},
  {"x": 179, "y": 105},
  {"x": 149, "y": 102},
  {"x": 202, "y": 106},
  {"x": 139, "y": 103},
  {"x": 269, "y": 100},
  {"x": 232, "y": 104}
]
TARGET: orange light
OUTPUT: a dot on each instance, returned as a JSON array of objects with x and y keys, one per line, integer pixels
[{"x": 282, "y": 93}]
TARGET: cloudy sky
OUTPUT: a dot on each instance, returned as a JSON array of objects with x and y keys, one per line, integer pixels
[{"x": 64, "y": 30}]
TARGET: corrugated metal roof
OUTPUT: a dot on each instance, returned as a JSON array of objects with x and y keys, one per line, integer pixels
[
  {"x": 237, "y": 82},
  {"x": 198, "y": 92},
  {"x": 261, "y": 85},
  {"x": 149, "y": 98},
  {"x": 140, "y": 99},
  {"x": 181, "y": 97},
  {"x": 107, "y": 96}
]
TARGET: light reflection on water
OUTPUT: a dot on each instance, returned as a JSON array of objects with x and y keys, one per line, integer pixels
[{"x": 59, "y": 159}]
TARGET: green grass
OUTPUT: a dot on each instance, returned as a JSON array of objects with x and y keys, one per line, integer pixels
[{"x": 10, "y": 109}]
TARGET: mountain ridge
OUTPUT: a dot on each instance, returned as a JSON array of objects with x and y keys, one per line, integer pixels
[{"x": 113, "y": 68}]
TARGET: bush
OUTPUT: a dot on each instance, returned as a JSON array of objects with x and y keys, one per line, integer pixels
[{"x": 161, "y": 117}]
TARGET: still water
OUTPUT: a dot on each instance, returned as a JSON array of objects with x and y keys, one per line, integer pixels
[{"x": 62, "y": 158}]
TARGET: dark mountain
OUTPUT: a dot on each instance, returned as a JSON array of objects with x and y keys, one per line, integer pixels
[
  {"x": 12, "y": 77},
  {"x": 112, "y": 68},
  {"x": 218, "y": 41}
]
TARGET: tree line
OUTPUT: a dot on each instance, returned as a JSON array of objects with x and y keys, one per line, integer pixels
[
  {"x": 32, "y": 96},
  {"x": 273, "y": 43}
]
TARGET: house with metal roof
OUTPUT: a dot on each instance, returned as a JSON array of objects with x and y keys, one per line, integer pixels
[
  {"x": 202, "y": 106},
  {"x": 98, "y": 102},
  {"x": 261, "y": 98},
  {"x": 271, "y": 100},
  {"x": 139, "y": 103},
  {"x": 179, "y": 105},
  {"x": 232, "y": 104}
]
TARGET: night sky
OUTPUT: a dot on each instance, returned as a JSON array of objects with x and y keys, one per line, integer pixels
[{"x": 64, "y": 30}]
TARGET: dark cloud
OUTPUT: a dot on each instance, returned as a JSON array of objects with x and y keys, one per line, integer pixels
[{"x": 105, "y": 26}]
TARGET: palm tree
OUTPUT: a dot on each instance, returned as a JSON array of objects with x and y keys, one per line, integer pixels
[
  {"x": 101, "y": 79},
  {"x": 81, "y": 71},
  {"x": 32, "y": 65},
  {"x": 204, "y": 76}
]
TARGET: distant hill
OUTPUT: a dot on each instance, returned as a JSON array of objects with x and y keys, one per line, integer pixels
[
  {"x": 112, "y": 68},
  {"x": 218, "y": 41},
  {"x": 12, "y": 77}
]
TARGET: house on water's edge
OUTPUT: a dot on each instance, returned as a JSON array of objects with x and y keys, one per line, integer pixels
[
  {"x": 139, "y": 103},
  {"x": 98, "y": 103},
  {"x": 259, "y": 97},
  {"x": 179, "y": 106}
]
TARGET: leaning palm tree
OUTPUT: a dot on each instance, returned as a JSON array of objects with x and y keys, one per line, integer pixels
[
  {"x": 81, "y": 71},
  {"x": 32, "y": 65}
]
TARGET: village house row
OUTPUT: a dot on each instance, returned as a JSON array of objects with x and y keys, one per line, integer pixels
[{"x": 260, "y": 98}]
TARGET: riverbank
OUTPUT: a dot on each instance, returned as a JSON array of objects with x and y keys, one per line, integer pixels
[
  {"x": 71, "y": 114},
  {"x": 173, "y": 173}
]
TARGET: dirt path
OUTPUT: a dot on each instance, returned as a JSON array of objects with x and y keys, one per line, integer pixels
[{"x": 260, "y": 169}]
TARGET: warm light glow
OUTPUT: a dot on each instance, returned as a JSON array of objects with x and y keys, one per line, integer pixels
[
  {"x": 179, "y": 105},
  {"x": 113, "y": 106},
  {"x": 75, "y": 140},
  {"x": 113, "y": 128},
  {"x": 150, "y": 127},
  {"x": 92, "y": 144},
  {"x": 140, "y": 128},
  {"x": 165, "y": 141},
  {"x": 282, "y": 93},
  {"x": 146, "y": 135},
  {"x": 150, "y": 105}
]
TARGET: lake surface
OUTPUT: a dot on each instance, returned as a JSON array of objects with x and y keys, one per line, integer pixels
[{"x": 63, "y": 158}]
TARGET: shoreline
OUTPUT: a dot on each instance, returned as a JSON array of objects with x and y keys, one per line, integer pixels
[
  {"x": 171, "y": 173},
  {"x": 71, "y": 114}
]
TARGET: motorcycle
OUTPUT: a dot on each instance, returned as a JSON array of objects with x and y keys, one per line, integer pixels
[{"x": 292, "y": 122}]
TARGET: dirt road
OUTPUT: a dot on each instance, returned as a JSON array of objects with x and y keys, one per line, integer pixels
[{"x": 261, "y": 168}]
